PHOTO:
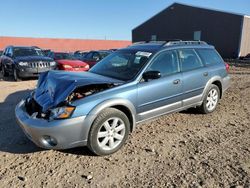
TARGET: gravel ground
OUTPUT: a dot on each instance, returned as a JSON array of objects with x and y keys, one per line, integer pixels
[{"x": 184, "y": 149}]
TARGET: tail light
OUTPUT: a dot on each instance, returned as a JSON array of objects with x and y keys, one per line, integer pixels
[{"x": 227, "y": 67}]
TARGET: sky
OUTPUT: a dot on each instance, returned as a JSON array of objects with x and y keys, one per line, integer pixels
[{"x": 91, "y": 19}]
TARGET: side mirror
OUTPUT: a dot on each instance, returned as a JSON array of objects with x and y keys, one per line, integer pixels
[{"x": 151, "y": 75}]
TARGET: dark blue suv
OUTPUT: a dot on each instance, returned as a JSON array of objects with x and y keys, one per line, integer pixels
[{"x": 101, "y": 107}]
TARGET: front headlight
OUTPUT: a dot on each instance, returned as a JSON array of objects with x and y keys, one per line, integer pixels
[
  {"x": 62, "y": 112},
  {"x": 86, "y": 66},
  {"x": 21, "y": 63},
  {"x": 52, "y": 63},
  {"x": 67, "y": 66}
]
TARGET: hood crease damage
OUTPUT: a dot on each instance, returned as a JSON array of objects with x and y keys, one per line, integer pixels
[{"x": 57, "y": 87}]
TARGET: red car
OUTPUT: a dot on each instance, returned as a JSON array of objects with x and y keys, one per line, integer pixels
[{"x": 68, "y": 62}]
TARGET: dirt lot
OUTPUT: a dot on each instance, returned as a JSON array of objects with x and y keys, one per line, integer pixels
[{"x": 180, "y": 150}]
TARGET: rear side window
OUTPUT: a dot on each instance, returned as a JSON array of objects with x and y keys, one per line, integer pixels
[
  {"x": 189, "y": 59},
  {"x": 209, "y": 56}
]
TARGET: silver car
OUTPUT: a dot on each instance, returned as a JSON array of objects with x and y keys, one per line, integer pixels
[{"x": 101, "y": 107}]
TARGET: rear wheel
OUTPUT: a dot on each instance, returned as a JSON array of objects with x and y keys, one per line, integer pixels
[
  {"x": 109, "y": 132},
  {"x": 211, "y": 100}
]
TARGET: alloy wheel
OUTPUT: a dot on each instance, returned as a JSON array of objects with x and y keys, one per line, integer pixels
[
  {"x": 111, "y": 133},
  {"x": 212, "y": 99}
]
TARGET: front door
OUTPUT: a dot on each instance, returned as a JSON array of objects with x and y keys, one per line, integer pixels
[{"x": 156, "y": 97}]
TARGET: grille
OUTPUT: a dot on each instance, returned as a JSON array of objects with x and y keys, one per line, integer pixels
[
  {"x": 39, "y": 64},
  {"x": 78, "y": 66}
]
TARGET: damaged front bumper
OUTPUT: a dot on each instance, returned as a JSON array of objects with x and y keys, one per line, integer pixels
[{"x": 56, "y": 134}]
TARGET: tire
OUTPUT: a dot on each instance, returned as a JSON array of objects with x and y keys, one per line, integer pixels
[
  {"x": 106, "y": 138},
  {"x": 210, "y": 100},
  {"x": 15, "y": 75},
  {"x": 4, "y": 73}
]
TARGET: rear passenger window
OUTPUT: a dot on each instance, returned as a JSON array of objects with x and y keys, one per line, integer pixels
[
  {"x": 166, "y": 62},
  {"x": 209, "y": 56},
  {"x": 189, "y": 59}
]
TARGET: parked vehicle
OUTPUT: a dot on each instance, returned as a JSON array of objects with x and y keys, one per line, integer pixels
[
  {"x": 1, "y": 52},
  {"x": 46, "y": 52},
  {"x": 68, "y": 62},
  {"x": 247, "y": 57},
  {"x": 22, "y": 62},
  {"x": 101, "y": 107},
  {"x": 79, "y": 54},
  {"x": 95, "y": 56}
]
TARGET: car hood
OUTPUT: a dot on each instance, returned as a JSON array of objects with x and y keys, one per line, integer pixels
[
  {"x": 54, "y": 87},
  {"x": 71, "y": 62},
  {"x": 33, "y": 58}
]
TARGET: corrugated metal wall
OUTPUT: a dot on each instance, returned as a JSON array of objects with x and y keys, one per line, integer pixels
[
  {"x": 221, "y": 29},
  {"x": 70, "y": 45},
  {"x": 245, "y": 38}
]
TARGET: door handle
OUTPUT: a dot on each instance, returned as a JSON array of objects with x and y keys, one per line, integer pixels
[
  {"x": 176, "y": 81},
  {"x": 205, "y": 74}
]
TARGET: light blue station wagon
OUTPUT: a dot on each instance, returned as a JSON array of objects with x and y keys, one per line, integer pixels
[{"x": 101, "y": 107}]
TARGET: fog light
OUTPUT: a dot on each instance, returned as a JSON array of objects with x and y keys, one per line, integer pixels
[{"x": 49, "y": 141}]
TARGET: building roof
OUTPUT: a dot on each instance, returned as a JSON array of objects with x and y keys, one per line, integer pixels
[{"x": 197, "y": 7}]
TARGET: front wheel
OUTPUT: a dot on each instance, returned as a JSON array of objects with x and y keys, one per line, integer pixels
[
  {"x": 15, "y": 75},
  {"x": 211, "y": 100},
  {"x": 4, "y": 73},
  {"x": 109, "y": 132}
]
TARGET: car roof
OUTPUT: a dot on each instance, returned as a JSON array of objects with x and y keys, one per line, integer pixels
[
  {"x": 154, "y": 46},
  {"x": 108, "y": 51},
  {"x": 149, "y": 47},
  {"x": 25, "y": 47}
]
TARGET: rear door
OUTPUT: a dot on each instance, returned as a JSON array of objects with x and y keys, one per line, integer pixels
[
  {"x": 195, "y": 76},
  {"x": 161, "y": 95}
]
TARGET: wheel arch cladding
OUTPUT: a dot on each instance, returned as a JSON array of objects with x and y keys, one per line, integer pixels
[
  {"x": 127, "y": 112},
  {"x": 219, "y": 85},
  {"x": 120, "y": 104}
]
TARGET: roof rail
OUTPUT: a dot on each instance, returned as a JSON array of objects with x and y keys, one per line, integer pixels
[
  {"x": 140, "y": 42},
  {"x": 163, "y": 42},
  {"x": 170, "y": 43}
]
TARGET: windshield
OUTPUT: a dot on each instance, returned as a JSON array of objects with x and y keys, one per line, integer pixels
[
  {"x": 121, "y": 65},
  {"x": 104, "y": 54},
  {"x": 68, "y": 56},
  {"x": 27, "y": 52}
]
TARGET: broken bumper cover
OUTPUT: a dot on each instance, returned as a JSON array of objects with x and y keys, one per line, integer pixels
[{"x": 56, "y": 134}]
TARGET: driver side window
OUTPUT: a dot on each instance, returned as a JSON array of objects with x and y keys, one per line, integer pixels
[
  {"x": 6, "y": 51},
  {"x": 10, "y": 51},
  {"x": 166, "y": 63}
]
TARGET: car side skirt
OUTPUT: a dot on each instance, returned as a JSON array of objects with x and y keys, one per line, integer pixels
[{"x": 171, "y": 108}]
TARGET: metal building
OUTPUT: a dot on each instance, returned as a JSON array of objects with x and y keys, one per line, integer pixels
[{"x": 228, "y": 32}]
